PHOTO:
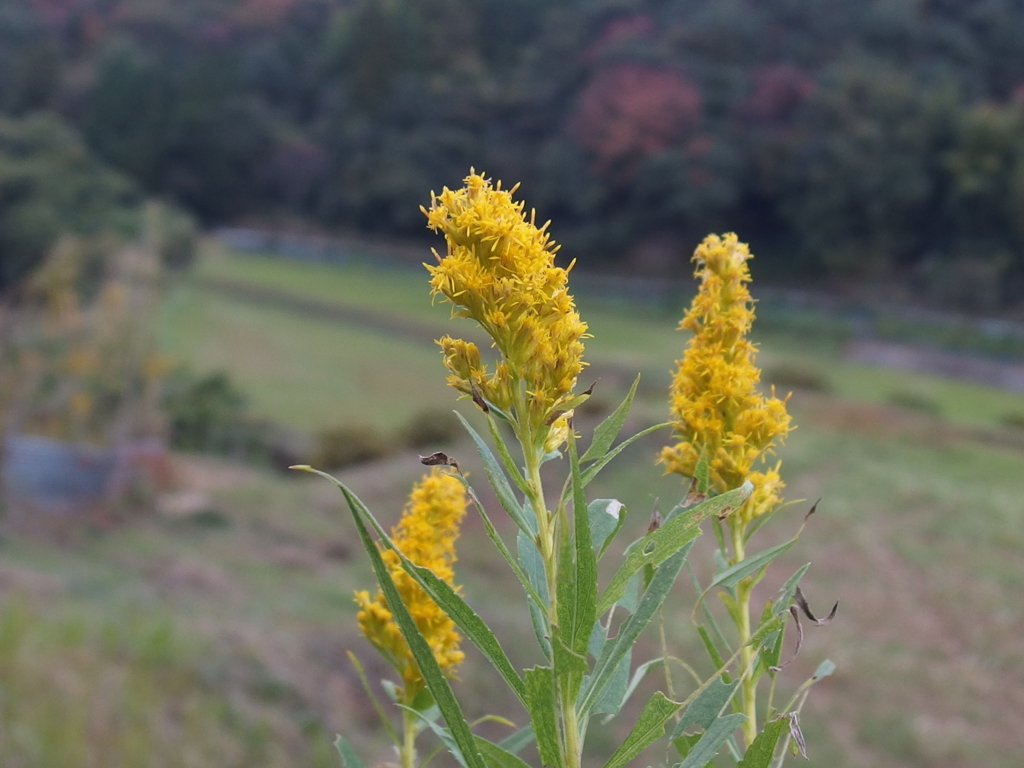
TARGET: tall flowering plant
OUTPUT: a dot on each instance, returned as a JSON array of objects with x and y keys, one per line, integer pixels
[{"x": 499, "y": 270}]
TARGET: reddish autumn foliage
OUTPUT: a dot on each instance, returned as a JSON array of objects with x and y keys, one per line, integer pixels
[
  {"x": 629, "y": 112},
  {"x": 776, "y": 90},
  {"x": 621, "y": 29}
]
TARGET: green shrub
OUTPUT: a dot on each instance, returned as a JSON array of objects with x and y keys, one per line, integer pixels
[
  {"x": 351, "y": 444},
  {"x": 794, "y": 375},
  {"x": 1013, "y": 420},
  {"x": 431, "y": 427}
]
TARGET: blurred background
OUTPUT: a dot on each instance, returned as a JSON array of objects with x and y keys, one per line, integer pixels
[{"x": 210, "y": 249}]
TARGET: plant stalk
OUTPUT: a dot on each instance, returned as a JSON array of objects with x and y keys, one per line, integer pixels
[
  {"x": 748, "y": 686},
  {"x": 408, "y": 752}
]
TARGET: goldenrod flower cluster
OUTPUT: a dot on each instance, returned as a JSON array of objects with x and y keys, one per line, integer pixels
[
  {"x": 425, "y": 534},
  {"x": 499, "y": 270},
  {"x": 716, "y": 406}
]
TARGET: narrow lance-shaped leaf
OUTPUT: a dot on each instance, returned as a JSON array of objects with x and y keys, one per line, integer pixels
[
  {"x": 788, "y": 589},
  {"x": 498, "y": 757},
  {"x": 584, "y": 601},
  {"x": 540, "y": 703},
  {"x": 615, "y": 690},
  {"x": 760, "y": 753},
  {"x": 349, "y": 758},
  {"x": 606, "y": 432},
  {"x": 626, "y": 691},
  {"x": 706, "y": 706},
  {"x": 649, "y": 727},
  {"x": 442, "y": 733},
  {"x": 505, "y": 456},
  {"x": 606, "y": 518},
  {"x": 533, "y": 567},
  {"x": 660, "y": 544},
  {"x": 517, "y": 740}
]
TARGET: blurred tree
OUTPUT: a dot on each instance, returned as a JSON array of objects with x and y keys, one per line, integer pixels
[
  {"x": 859, "y": 183},
  {"x": 50, "y": 185}
]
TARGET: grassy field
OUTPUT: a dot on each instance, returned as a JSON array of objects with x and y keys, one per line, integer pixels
[{"x": 228, "y": 625}]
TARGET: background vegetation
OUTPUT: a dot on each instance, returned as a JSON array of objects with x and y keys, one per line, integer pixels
[
  {"x": 874, "y": 143},
  {"x": 228, "y": 613}
]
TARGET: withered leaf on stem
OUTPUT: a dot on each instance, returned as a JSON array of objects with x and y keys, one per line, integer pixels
[
  {"x": 655, "y": 523},
  {"x": 812, "y": 510},
  {"x": 555, "y": 416},
  {"x": 800, "y": 600},
  {"x": 797, "y": 734},
  {"x": 480, "y": 402},
  {"x": 799, "y": 639},
  {"x": 590, "y": 389},
  {"x": 693, "y": 496}
]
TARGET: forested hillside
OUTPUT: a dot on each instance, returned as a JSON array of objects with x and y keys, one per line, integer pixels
[{"x": 850, "y": 142}]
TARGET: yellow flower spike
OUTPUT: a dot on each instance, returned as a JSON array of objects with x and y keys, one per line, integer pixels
[
  {"x": 426, "y": 535},
  {"x": 499, "y": 270},
  {"x": 716, "y": 406}
]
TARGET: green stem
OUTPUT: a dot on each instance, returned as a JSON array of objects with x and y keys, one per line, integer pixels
[
  {"x": 408, "y": 752},
  {"x": 548, "y": 535},
  {"x": 748, "y": 685}
]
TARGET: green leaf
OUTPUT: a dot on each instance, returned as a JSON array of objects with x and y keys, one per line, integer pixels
[
  {"x": 650, "y": 726},
  {"x": 533, "y": 566},
  {"x": 499, "y": 543},
  {"x": 826, "y": 668},
  {"x": 788, "y": 589},
  {"x": 583, "y": 607},
  {"x": 606, "y": 518},
  {"x": 442, "y": 733},
  {"x": 442, "y": 593},
  {"x": 614, "y": 691},
  {"x": 540, "y": 703},
  {"x": 567, "y": 661},
  {"x": 733, "y": 575},
  {"x": 606, "y": 432},
  {"x": 521, "y": 514},
  {"x": 631, "y": 595},
  {"x": 706, "y": 707},
  {"x": 517, "y": 740},
  {"x": 685, "y": 743},
  {"x": 597, "y": 637},
  {"x": 711, "y": 740},
  {"x": 506, "y": 457},
  {"x": 702, "y": 474},
  {"x": 627, "y": 690},
  {"x": 770, "y": 625},
  {"x": 760, "y": 753},
  {"x": 497, "y": 757},
  {"x": 709, "y": 646},
  {"x": 432, "y": 675},
  {"x": 662, "y": 543},
  {"x": 601, "y": 463},
  {"x": 349, "y": 758},
  {"x": 630, "y": 630}
]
